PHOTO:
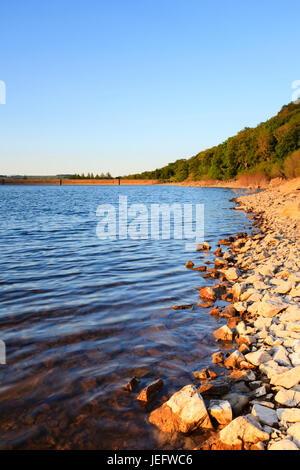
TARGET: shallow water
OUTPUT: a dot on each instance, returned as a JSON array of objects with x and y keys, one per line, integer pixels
[{"x": 81, "y": 316}]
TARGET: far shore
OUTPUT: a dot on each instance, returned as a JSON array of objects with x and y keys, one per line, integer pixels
[{"x": 241, "y": 183}]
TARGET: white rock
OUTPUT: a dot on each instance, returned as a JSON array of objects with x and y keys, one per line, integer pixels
[
  {"x": 243, "y": 429},
  {"x": 287, "y": 379},
  {"x": 265, "y": 414},
  {"x": 221, "y": 411},
  {"x": 284, "y": 444},
  {"x": 232, "y": 274},
  {"x": 294, "y": 431},
  {"x": 258, "y": 357},
  {"x": 288, "y": 415},
  {"x": 270, "y": 308},
  {"x": 281, "y": 356},
  {"x": 288, "y": 398}
]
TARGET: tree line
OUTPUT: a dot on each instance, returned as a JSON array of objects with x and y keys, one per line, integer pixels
[{"x": 91, "y": 176}]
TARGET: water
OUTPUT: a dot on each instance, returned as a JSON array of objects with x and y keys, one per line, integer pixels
[{"x": 81, "y": 316}]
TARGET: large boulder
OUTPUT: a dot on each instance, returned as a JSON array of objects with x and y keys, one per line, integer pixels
[
  {"x": 244, "y": 429},
  {"x": 183, "y": 412}
]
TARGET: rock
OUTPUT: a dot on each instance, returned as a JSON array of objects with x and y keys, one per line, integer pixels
[
  {"x": 217, "y": 357},
  {"x": 201, "y": 374},
  {"x": 281, "y": 356},
  {"x": 295, "y": 358},
  {"x": 221, "y": 411},
  {"x": 284, "y": 444},
  {"x": 288, "y": 415},
  {"x": 208, "y": 293},
  {"x": 148, "y": 392},
  {"x": 189, "y": 264},
  {"x": 215, "y": 388},
  {"x": 270, "y": 308},
  {"x": 223, "y": 334},
  {"x": 232, "y": 274},
  {"x": 234, "y": 360},
  {"x": 283, "y": 287},
  {"x": 258, "y": 357},
  {"x": 260, "y": 391},
  {"x": 132, "y": 384},
  {"x": 220, "y": 263},
  {"x": 271, "y": 368},
  {"x": 237, "y": 401},
  {"x": 292, "y": 313},
  {"x": 204, "y": 247},
  {"x": 287, "y": 379},
  {"x": 183, "y": 412},
  {"x": 244, "y": 429},
  {"x": 246, "y": 376},
  {"x": 265, "y": 415},
  {"x": 294, "y": 431},
  {"x": 238, "y": 289},
  {"x": 288, "y": 398}
]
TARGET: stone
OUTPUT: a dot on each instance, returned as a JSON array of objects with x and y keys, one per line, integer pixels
[
  {"x": 288, "y": 398},
  {"x": 232, "y": 274},
  {"x": 244, "y": 429},
  {"x": 238, "y": 401},
  {"x": 281, "y": 356},
  {"x": 147, "y": 394},
  {"x": 284, "y": 444},
  {"x": 189, "y": 264},
  {"x": 246, "y": 376},
  {"x": 204, "y": 247},
  {"x": 223, "y": 334},
  {"x": 270, "y": 308},
  {"x": 288, "y": 415},
  {"x": 292, "y": 313},
  {"x": 260, "y": 391},
  {"x": 258, "y": 357},
  {"x": 184, "y": 412},
  {"x": 208, "y": 293},
  {"x": 295, "y": 358},
  {"x": 221, "y": 411},
  {"x": 287, "y": 379},
  {"x": 238, "y": 289},
  {"x": 265, "y": 415},
  {"x": 294, "y": 431},
  {"x": 132, "y": 384},
  {"x": 217, "y": 357},
  {"x": 234, "y": 360}
]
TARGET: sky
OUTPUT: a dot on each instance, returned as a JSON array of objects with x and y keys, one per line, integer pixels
[{"x": 131, "y": 85}]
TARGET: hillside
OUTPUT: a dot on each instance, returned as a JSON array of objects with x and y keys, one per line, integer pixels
[{"x": 272, "y": 149}]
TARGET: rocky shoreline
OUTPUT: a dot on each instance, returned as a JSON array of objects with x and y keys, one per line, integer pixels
[{"x": 250, "y": 396}]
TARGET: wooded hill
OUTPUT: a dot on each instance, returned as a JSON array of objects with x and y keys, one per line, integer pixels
[{"x": 272, "y": 149}]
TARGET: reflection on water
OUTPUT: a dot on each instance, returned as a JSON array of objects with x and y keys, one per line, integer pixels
[{"x": 81, "y": 316}]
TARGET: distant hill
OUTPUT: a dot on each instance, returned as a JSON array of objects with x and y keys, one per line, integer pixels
[{"x": 272, "y": 149}]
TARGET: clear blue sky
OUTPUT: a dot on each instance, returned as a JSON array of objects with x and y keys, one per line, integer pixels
[{"x": 129, "y": 85}]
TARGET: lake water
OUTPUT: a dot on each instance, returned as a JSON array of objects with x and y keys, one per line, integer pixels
[{"x": 81, "y": 316}]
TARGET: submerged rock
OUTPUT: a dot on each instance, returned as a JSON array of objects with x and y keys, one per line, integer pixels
[{"x": 147, "y": 394}]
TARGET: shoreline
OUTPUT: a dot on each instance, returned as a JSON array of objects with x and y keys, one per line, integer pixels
[
  {"x": 251, "y": 184},
  {"x": 249, "y": 398}
]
